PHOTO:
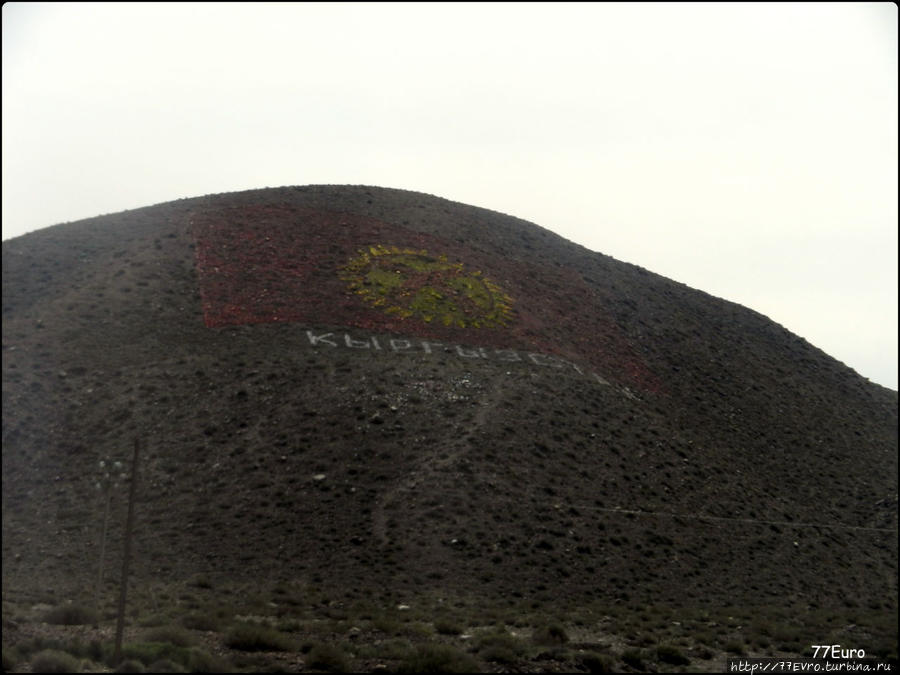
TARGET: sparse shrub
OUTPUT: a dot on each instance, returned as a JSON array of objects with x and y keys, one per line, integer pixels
[
  {"x": 130, "y": 666},
  {"x": 395, "y": 650},
  {"x": 148, "y": 652},
  {"x": 761, "y": 641},
  {"x": 201, "y": 621},
  {"x": 707, "y": 639},
  {"x": 153, "y": 620},
  {"x": 550, "y": 634},
  {"x": 70, "y": 615},
  {"x": 671, "y": 654},
  {"x": 387, "y": 625},
  {"x": 735, "y": 647},
  {"x": 165, "y": 666},
  {"x": 54, "y": 661},
  {"x": 9, "y": 660},
  {"x": 447, "y": 626},
  {"x": 787, "y": 638},
  {"x": 499, "y": 653},
  {"x": 634, "y": 658},
  {"x": 438, "y": 658},
  {"x": 171, "y": 634},
  {"x": 26, "y": 648},
  {"x": 598, "y": 663},
  {"x": 200, "y": 581},
  {"x": 645, "y": 640},
  {"x": 417, "y": 629},
  {"x": 200, "y": 661},
  {"x": 289, "y": 626},
  {"x": 884, "y": 648},
  {"x": 92, "y": 650},
  {"x": 763, "y": 628},
  {"x": 252, "y": 637},
  {"x": 327, "y": 657},
  {"x": 499, "y": 647}
]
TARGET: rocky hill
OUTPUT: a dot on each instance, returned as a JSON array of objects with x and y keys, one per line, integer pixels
[{"x": 385, "y": 395}]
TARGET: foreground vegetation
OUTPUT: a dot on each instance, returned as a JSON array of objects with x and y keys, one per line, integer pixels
[{"x": 197, "y": 626}]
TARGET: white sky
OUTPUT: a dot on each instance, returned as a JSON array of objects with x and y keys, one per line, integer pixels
[{"x": 747, "y": 150}]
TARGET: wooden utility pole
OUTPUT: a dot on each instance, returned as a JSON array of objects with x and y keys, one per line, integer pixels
[
  {"x": 129, "y": 523},
  {"x": 107, "y": 497}
]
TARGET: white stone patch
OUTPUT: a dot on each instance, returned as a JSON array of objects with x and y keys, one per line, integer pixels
[{"x": 372, "y": 344}]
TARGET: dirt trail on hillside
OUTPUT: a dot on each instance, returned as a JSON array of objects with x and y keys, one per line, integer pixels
[{"x": 439, "y": 459}]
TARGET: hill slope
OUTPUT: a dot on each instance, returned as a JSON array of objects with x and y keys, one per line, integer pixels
[{"x": 387, "y": 393}]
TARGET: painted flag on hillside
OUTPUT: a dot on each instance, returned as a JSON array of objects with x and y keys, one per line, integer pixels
[{"x": 259, "y": 264}]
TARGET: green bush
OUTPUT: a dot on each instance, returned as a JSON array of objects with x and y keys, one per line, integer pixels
[
  {"x": 447, "y": 626},
  {"x": 386, "y": 624},
  {"x": 252, "y": 637},
  {"x": 671, "y": 654},
  {"x": 94, "y": 650},
  {"x": 153, "y": 620},
  {"x": 171, "y": 634},
  {"x": 168, "y": 657},
  {"x": 499, "y": 647},
  {"x": 9, "y": 660},
  {"x": 707, "y": 639},
  {"x": 71, "y": 615},
  {"x": 550, "y": 634},
  {"x": 417, "y": 629},
  {"x": 148, "y": 652},
  {"x": 735, "y": 647},
  {"x": 438, "y": 658},
  {"x": 787, "y": 638},
  {"x": 200, "y": 581},
  {"x": 395, "y": 650},
  {"x": 26, "y": 648},
  {"x": 201, "y": 621},
  {"x": 327, "y": 657},
  {"x": 761, "y": 641},
  {"x": 884, "y": 648},
  {"x": 762, "y": 628},
  {"x": 634, "y": 658},
  {"x": 597, "y": 663},
  {"x": 166, "y": 666},
  {"x": 200, "y": 661},
  {"x": 290, "y": 626},
  {"x": 54, "y": 661}
]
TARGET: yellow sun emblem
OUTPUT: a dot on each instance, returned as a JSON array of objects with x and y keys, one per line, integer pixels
[{"x": 406, "y": 283}]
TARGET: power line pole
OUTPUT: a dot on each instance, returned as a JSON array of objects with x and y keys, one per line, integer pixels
[
  {"x": 108, "y": 477},
  {"x": 107, "y": 497},
  {"x": 129, "y": 523}
]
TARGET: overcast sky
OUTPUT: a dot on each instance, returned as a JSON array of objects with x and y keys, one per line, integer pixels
[{"x": 747, "y": 150}]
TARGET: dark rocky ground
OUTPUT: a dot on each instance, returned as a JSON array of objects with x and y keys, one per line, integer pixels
[{"x": 727, "y": 488}]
